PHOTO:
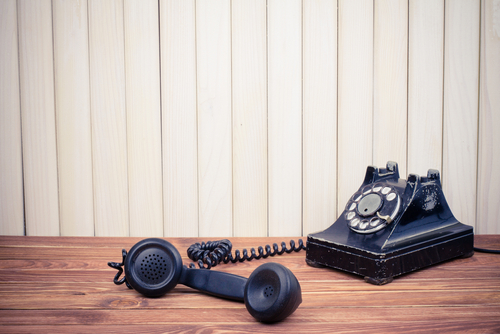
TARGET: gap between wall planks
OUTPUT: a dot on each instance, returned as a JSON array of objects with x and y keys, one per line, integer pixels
[{"x": 259, "y": 122}]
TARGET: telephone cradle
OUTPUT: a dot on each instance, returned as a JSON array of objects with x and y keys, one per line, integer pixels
[{"x": 390, "y": 227}]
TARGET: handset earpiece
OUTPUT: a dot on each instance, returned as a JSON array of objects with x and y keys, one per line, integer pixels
[
  {"x": 272, "y": 293},
  {"x": 154, "y": 266}
]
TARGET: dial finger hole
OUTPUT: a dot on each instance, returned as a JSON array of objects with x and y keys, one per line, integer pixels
[
  {"x": 354, "y": 222},
  {"x": 386, "y": 190}
]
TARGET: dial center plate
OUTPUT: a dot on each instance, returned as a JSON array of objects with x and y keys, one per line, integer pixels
[{"x": 369, "y": 204}]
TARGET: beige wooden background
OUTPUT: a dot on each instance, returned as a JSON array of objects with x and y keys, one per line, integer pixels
[{"x": 240, "y": 118}]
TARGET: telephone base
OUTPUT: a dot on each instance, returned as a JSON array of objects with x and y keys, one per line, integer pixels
[{"x": 324, "y": 249}]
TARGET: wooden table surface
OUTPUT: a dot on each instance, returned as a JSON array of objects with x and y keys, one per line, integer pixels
[{"x": 63, "y": 285}]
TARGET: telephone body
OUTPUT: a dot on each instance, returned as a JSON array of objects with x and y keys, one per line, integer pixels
[{"x": 391, "y": 226}]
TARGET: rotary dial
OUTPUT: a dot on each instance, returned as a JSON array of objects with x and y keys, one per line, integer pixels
[{"x": 372, "y": 208}]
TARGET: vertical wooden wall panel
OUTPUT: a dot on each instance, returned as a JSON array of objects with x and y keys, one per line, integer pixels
[
  {"x": 74, "y": 142},
  {"x": 38, "y": 117},
  {"x": 11, "y": 168},
  {"x": 229, "y": 118},
  {"x": 142, "y": 75},
  {"x": 179, "y": 127},
  {"x": 285, "y": 117},
  {"x": 425, "y": 85},
  {"x": 355, "y": 96},
  {"x": 488, "y": 191},
  {"x": 249, "y": 84},
  {"x": 320, "y": 114},
  {"x": 213, "y": 46},
  {"x": 461, "y": 82},
  {"x": 108, "y": 115},
  {"x": 390, "y": 83}
]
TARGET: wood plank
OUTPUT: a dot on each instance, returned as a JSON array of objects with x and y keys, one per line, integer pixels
[
  {"x": 11, "y": 164},
  {"x": 284, "y": 117},
  {"x": 461, "y": 93},
  {"x": 106, "y": 274},
  {"x": 179, "y": 127},
  {"x": 249, "y": 102},
  {"x": 355, "y": 96},
  {"x": 488, "y": 184},
  {"x": 63, "y": 284},
  {"x": 425, "y": 85},
  {"x": 319, "y": 115},
  {"x": 91, "y": 261},
  {"x": 108, "y": 117},
  {"x": 390, "y": 80},
  {"x": 64, "y": 270},
  {"x": 220, "y": 315},
  {"x": 142, "y": 67},
  {"x": 74, "y": 142},
  {"x": 36, "y": 73},
  {"x": 129, "y": 299},
  {"x": 253, "y": 327},
  {"x": 213, "y": 56}
]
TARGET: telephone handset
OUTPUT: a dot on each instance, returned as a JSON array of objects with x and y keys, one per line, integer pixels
[
  {"x": 153, "y": 267},
  {"x": 391, "y": 226}
]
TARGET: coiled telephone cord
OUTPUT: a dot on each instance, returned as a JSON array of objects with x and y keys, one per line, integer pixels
[{"x": 211, "y": 253}]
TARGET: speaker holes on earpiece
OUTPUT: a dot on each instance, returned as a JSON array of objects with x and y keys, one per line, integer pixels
[{"x": 268, "y": 291}]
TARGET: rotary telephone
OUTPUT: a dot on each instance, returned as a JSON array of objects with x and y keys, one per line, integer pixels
[{"x": 390, "y": 226}]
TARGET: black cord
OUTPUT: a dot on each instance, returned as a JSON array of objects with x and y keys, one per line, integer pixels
[
  {"x": 212, "y": 253},
  {"x": 483, "y": 250},
  {"x": 118, "y": 266}
]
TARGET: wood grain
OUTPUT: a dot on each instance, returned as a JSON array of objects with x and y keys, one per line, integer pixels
[
  {"x": 108, "y": 117},
  {"x": 488, "y": 183},
  {"x": 390, "y": 83},
  {"x": 284, "y": 116},
  {"x": 11, "y": 168},
  {"x": 72, "y": 99},
  {"x": 355, "y": 96},
  {"x": 36, "y": 77},
  {"x": 319, "y": 115},
  {"x": 239, "y": 117},
  {"x": 179, "y": 118},
  {"x": 213, "y": 71},
  {"x": 425, "y": 85},
  {"x": 63, "y": 284},
  {"x": 461, "y": 94},
  {"x": 142, "y": 67},
  {"x": 249, "y": 103}
]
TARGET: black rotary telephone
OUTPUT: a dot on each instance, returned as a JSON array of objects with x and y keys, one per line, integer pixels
[
  {"x": 392, "y": 226},
  {"x": 389, "y": 227}
]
